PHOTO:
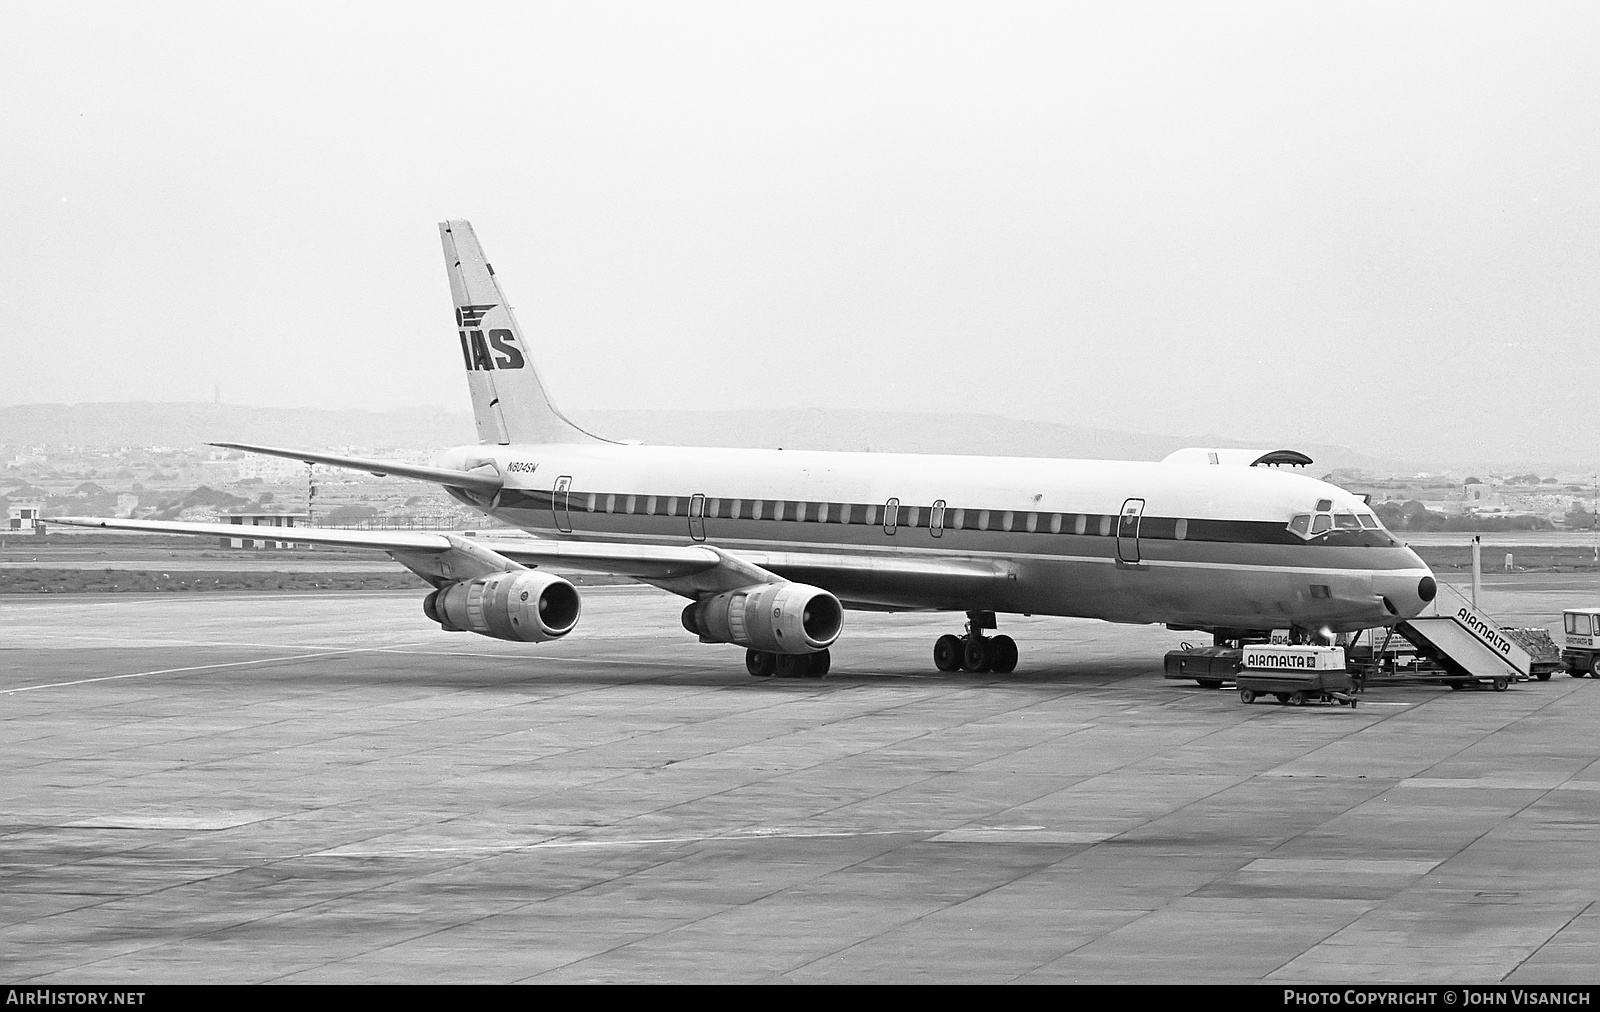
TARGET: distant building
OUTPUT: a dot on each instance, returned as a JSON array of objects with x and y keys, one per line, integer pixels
[
  {"x": 1480, "y": 495},
  {"x": 262, "y": 518},
  {"x": 23, "y": 518},
  {"x": 273, "y": 470}
]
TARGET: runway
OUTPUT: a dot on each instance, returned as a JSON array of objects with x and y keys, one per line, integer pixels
[{"x": 324, "y": 788}]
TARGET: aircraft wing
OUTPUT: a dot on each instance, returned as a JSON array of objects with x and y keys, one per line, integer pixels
[
  {"x": 486, "y": 481},
  {"x": 641, "y": 562},
  {"x": 690, "y": 570},
  {"x": 892, "y": 583}
]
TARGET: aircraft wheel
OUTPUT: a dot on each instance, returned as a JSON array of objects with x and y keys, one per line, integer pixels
[
  {"x": 1247, "y": 696},
  {"x": 760, "y": 663},
  {"x": 975, "y": 657},
  {"x": 1002, "y": 654},
  {"x": 820, "y": 662},
  {"x": 793, "y": 665},
  {"x": 1501, "y": 683},
  {"x": 947, "y": 652}
]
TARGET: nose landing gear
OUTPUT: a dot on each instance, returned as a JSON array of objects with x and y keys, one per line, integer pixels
[{"x": 976, "y": 652}]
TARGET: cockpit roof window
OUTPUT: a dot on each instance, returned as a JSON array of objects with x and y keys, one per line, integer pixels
[{"x": 1324, "y": 505}]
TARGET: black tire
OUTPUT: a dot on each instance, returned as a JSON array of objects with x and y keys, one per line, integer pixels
[
  {"x": 1002, "y": 654},
  {"x": 760, "y": 663},
  {"x": 1543, "y": 676},
  {"x": 975, "y": 655},
  {"x": 1281, "y": 697},
  {"x": 1594, "y": 666},
  {"x": 1247, "y": 696},
  {"x": 1457, "y": 686},
  {"x": 793, "y": 665},
  {"x": 1500, "y": 684},
  {"x": 821, "y": 661},
  {"x": 947, "y": 652},
  {"x": 1209, "y": 683},
  {"x": 1298, "y": 699}
]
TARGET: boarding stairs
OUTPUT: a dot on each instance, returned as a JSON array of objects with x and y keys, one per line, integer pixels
[{"x": 1467, "y": 644}]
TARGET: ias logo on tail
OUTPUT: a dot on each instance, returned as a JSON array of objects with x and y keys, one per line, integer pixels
[{"x": 471, "y": 316}]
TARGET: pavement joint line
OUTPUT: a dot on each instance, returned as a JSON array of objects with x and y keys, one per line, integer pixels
[
  {"x": 1540, "y": 947},
  {"x": 572, "y": 843},
  {"x": 197, "y": 667}
]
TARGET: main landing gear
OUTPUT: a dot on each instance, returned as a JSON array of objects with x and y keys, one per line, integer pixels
[
  {"x": 976, "y": 652},
  {"x": 763, "y": 664}
]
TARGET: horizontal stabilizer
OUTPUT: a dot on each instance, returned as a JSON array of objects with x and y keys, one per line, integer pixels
[{"x": 486, "y": 481}]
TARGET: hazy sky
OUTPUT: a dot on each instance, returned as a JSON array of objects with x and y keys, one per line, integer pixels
[{"x": 1376, "y": 224}]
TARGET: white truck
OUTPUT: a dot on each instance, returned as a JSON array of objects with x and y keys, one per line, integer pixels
[{"x": 1580, "y": 653}]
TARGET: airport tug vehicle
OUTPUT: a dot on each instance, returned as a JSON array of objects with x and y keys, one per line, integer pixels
[
  {"x": 1295, "y": 674},
  {"x": 1580, "y": 653}
]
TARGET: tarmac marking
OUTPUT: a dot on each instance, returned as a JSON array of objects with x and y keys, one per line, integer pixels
[
  {"x": 938, "y": 835},
  {"x": 1343, "y": 865},
  {"x": 197, "y": 667},
  {"x": 524, "y": 658}
]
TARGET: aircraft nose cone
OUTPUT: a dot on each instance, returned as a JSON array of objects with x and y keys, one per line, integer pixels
[{"x": 1405, "y": 595}]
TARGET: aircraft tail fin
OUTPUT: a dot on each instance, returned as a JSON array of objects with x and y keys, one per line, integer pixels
[{"x": 510, "y": 402}]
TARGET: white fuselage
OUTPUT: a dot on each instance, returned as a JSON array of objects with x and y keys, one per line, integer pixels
[{"x": 1202, "y": 546}]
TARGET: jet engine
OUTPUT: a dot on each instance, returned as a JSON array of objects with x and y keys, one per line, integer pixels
[
  {"x": 522, "y": 605},
  {"x": 782, "y": 618}
]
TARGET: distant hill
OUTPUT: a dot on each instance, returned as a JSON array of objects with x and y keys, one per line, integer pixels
[{"x": 182, "y": 425}]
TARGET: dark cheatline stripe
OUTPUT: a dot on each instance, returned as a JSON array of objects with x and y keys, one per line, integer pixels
[{"x": 1151, "y": 528}]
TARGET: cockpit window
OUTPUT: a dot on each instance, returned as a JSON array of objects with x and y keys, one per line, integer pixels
[
  {"x": 1322, "y": 524},
  {"x": 1369, "y": 521},
  {"x": 1300, "y": 524},
  {"x": 1346, "y": 522},
  {"x": 1324, "y": 505}
]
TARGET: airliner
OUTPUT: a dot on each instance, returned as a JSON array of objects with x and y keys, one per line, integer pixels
[{"x": 771, "y": 547}]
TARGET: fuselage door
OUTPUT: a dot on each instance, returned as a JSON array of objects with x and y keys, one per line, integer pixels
[
  {"x": 697, "y": 517},
  {"x": 1128, "y": 530},
  {"x": 558, "y": 503}
]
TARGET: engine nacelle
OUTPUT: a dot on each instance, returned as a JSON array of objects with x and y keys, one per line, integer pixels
[
  {"x": 523, "y": 605},
  {"x": 783, "y": 618}
]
